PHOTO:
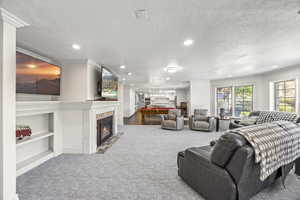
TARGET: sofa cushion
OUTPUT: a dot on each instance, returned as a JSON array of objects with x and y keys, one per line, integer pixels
[
  {"x": 201, "y": 124},
  {"x": 249, "y": 121},
  {"x": 201, "y": 118},
  {"x": 225, "y": 148},
  {"x": 169, "y": 123},
  {"x": 171, "y": 117}
]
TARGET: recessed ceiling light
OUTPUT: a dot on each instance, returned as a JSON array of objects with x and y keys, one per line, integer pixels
[
  {"x": 275, "y": 66},
  {"x": 129, "y": 73},
  {"x": 230, "y": 76},
  {"x": 122, "y": 66},
  {"x": 123, "y": 79},
  {"x": 168, "y": 78},
  {"x": 172, "y": 68},
  {"x": 76, "y": 46},
  {"x": 31, "y": 66},
  {"x": 188, "y": 42},
  {"x": 141, "y": 14}
]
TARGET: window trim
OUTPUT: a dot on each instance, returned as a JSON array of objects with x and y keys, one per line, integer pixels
[
  {"x": 273, "y": 104},
  {"x": 216, "y": 99},
  {"x": 233, "y": 99},
  {"x": 252, "y": 97}
]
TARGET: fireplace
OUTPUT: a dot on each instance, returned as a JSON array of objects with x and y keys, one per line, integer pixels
[{"x": 104, "y": 128}]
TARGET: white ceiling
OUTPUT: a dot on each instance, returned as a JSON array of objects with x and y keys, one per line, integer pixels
[{"x": 232, "y": 37}]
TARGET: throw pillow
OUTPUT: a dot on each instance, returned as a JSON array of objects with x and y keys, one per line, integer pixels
[
  {"x": 264, "y": 117},
  {"x": 172, "y": 117},
  {"x": 201, "y": 118}
]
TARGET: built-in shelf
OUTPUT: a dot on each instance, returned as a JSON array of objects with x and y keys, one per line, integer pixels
[
  {"x": 34, "y": 161},
  {"x": 34, "y": 138},
  {"x": 45, "y": 142}
]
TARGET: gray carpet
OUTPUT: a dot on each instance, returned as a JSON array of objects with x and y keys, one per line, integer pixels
[{"x": 141, "y": 165}]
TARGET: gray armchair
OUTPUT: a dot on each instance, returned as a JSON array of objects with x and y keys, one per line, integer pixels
[
  {"x": 173, "y": 120},
  {"x": 200, "y": 121}
]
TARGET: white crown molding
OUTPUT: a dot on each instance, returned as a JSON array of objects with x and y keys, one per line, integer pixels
[
  {"x": 91, "y": 62},
  {"x": 37, "y": 56},
  {"x": 11, "y": 19},
  {"x": 74, "y": 61}
]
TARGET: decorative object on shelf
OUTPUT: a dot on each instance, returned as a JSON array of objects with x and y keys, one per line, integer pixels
[{"x": 22, "y": 131}]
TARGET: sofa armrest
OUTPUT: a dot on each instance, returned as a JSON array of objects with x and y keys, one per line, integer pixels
[
  {"x": 234, "y": 125},
  {"x": 211, "y": 123},
  {"x": 180, "y": 122},
  {"x": 191, "y": 121},
  {"x": 205, "y": 177}
]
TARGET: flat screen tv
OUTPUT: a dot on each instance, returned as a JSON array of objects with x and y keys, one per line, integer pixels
[
  {"x": 107, "y": 85},
  {"x": 35, "y": 76}
]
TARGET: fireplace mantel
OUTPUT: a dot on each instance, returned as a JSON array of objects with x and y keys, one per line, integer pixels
[
  {"x": 80, "y": 124},
  {"x": 87, "y": 105}
]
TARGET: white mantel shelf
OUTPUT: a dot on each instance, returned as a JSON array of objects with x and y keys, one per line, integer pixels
[
  {"x": 86, "y": 105},
  {"x": 40, "y": 105}
]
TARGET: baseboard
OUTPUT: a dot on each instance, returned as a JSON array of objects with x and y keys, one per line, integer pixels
[{"x": 72, "y": 150}]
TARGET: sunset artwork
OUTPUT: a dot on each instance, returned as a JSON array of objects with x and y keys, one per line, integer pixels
[{"x": 35, "y": 76}]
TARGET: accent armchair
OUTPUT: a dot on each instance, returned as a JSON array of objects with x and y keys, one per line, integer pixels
[
  {"x": 200, "y": 121},
  {"x": 173, "y": 120}
]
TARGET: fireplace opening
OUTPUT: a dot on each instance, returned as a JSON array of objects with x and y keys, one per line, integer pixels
[{"x": 104, "y": 129}]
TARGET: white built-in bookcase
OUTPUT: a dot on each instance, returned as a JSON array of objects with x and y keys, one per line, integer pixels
[{"x": 45, "y": 142}]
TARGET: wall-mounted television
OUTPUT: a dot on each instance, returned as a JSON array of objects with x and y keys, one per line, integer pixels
[
  {"x": 107, "y": 85},
  {"x": 36, "y": 76}
]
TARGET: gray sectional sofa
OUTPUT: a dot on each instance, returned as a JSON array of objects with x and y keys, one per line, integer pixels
[
  {"x": 257, "y": 117},
  {"x": 226, "y": 172}
]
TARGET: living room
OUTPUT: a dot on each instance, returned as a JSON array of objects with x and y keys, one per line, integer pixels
[{"x": 149, "y": 100}]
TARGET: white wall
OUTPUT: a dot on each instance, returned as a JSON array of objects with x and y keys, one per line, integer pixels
[
  {"x": 121, "y": 106},
  {"x": 261, "y": 83},
  {"x": 200, "y": 96},
  {"x": 74, "y": 82},
  {"x": 79, "y": 80},
  {"x": 129, "y": 101},
  {"x": 92, "y": 80},
  {"x": 182, "y": 95}
]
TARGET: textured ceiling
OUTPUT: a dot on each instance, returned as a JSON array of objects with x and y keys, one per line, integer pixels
[{"x": 232, "y": 37}]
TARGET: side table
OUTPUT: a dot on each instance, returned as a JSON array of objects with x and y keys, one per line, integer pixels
[{"x": 222, "y": 124}]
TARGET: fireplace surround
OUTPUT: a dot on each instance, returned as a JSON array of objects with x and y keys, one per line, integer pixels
[
  {"x": 104, "y": 127},
  {"x": 81, "y": 124}
]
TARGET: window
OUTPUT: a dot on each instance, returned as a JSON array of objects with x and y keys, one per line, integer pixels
[
  {"x": 243, "y": 100},
  {"x": 224, "y": 100},
  {"x": 285, "y": 96}
]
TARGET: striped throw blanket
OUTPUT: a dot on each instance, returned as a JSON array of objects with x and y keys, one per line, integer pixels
[{"x": 275, "y": 144}]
